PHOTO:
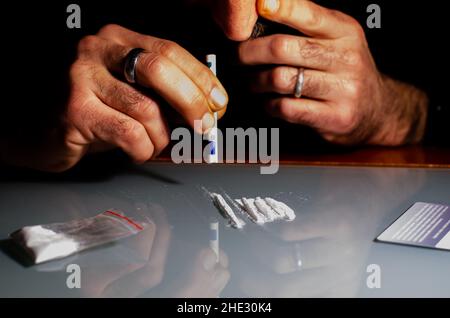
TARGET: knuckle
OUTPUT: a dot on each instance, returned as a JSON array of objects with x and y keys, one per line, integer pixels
[
  {"x": 236, "y": 33},
  {"x": 167, "y": 48},
  {"x": 128, "y": 129},
  {"x": 195, "y": 102},
  {"x": 162, "y": 141},
  {"x": 356, "y": 29},
  {"x": 141, "y": 156},
  {"x": 88, "y": 44},
  {"x": 345, "y": 19},
  {"x": 130, "y": 97},
  {"x": 77, "y": 103},
  {"x": 109, "y": 30},
  {"x": 331, "y": 138},
  {"x": 353, "y": 58},
  {"x": 289, "y": 111},
  {"x": 148, "y": 107},
  {"x": 145, "y": 155},
  {"x": 286, "y": 110},
  {"x": 79, "y": 110},
  {"x": 348, "y": 121},
  {"x": 280, "y": 46},
  {"x": 353, "y": 89},
  {"x": 282, "y": 78},
  {"x": 313, "y": 18},
  {"x": 77, "y": 69},
  {"x": 154, "y": 65}
]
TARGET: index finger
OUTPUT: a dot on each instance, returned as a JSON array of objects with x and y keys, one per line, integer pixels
[
  {"x": 159, "y": 73},
  {"x": 307, "y": 17},
  {"x": 198, "y": 72}
]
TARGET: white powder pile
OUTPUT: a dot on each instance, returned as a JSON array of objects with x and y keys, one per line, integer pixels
[
  {"x": 282, "y": 208},
  {"x": 43, "y": 244},
  {"x": 227, "y": 211},
  {"x": 259, "y": 210},
  {"x": 252, "y": 211},
  {"x": 57, "y": 240}
]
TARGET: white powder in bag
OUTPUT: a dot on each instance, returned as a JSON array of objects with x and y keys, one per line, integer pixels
[
  {"x": 44, "y": 244},
  {"x": 57, "y": 240}
]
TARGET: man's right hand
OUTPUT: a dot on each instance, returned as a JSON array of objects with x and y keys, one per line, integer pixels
[{"x": 104, "y": 111}]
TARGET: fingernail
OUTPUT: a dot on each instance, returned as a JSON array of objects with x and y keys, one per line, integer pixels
[
  {"x": 218, "y": 97},
  {"x": 270, "y": 6},
  {"x": 207, "y": 122}
]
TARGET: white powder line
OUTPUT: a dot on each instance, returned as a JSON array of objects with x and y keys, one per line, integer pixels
[
  {"x": 266, "y": 210},
  {"x": 280, "y": 206},
  {"x": 274, "y": 212},
  {"x": 280, "y": 214},
  {"x": 259, "y": 210},
  {"x": 244, "y": 211},
  {"x": 223, "y": 206},
  {"x": 234, "y": 204},
  {"x": 252, "y": 211}
]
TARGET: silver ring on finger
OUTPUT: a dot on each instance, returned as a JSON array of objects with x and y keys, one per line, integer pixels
[{"x": 299, "y": 83}]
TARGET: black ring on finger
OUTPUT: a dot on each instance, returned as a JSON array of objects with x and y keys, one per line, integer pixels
[{"x": 130, "y": 62}]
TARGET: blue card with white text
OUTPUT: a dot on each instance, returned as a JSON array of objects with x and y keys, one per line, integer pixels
[{"x": 423, "y": 224}]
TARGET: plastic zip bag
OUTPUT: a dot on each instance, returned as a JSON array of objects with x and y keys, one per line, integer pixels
[{"x": 44, "y": 243}]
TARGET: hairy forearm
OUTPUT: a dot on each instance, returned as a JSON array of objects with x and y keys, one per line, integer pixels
[{"x": 405, "y": 114}]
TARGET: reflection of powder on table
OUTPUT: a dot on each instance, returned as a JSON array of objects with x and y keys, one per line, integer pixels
[{"x": 259, "y": 211}]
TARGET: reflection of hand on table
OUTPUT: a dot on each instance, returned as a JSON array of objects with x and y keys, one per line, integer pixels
[
  {"x": 134, "y": 279},
  {"x": 330, "y": 236},
  {"x": 205, "y": 279}
]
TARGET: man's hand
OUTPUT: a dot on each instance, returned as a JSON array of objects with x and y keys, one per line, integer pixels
[
  {"x": 345, "y": 98},
  {"x": 104, "y": 112}
]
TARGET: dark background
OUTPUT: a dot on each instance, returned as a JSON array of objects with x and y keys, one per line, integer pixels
[{"x": 38, "y": 48}]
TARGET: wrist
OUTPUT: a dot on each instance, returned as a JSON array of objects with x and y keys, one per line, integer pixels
[{"x": 403, "y": 114}]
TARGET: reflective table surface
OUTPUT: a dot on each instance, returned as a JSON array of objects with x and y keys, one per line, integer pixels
[{"x": 326, "y": 252}]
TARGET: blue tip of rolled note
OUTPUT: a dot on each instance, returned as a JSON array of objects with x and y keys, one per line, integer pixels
[
  {"x": 213, "y": 235},
  {"x": 213, "y": 149}
]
